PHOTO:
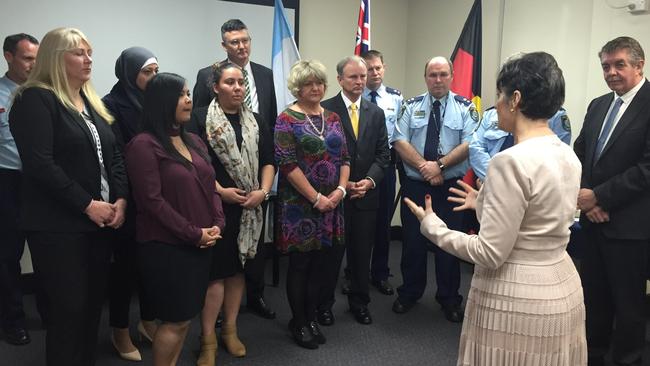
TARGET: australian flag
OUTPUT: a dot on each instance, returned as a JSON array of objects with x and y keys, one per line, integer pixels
[{"x": 363, "y": 29}]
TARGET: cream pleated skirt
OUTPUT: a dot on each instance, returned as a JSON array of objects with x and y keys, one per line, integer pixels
[{"x": 524, "y": 315}]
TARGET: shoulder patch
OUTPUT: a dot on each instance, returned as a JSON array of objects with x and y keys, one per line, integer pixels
[
  {"x": 415, "y": 99},
  {"x": 462, "y": 100},
  {"x": 566, "y": 123},
  {"x": 473, "y": 113},
  {"x": 390, "y": 90}
]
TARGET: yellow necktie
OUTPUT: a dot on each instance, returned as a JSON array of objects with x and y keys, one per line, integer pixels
[{"x": 354, "y": 118}]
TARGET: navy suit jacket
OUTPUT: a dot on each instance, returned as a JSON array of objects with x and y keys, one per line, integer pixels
[
  {"x": 369, "y": 154},
  {"x": 621, "y": 176},
  {"x": 202, "y": 94}
]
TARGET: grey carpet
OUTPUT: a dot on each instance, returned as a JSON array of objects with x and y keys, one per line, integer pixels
[{"x": 420, "y": 337}]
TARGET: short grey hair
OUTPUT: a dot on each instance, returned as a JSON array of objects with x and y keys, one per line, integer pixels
[
  {"x": 301, "y": 71},
  {"x": 348, "y": 60}
]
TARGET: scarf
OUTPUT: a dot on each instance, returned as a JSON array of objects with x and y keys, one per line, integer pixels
[{"x": 242, "y": 166}]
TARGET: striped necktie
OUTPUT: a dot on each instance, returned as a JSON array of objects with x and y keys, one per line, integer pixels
[
  {"x": 247, "y": 96},
  {"x": 354, "y": 118}
]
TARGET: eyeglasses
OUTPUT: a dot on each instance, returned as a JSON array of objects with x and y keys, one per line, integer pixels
[{"x": 236, "y": 42}]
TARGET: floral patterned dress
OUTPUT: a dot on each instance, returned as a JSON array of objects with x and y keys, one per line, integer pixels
[{"x": 301, "y": 227}]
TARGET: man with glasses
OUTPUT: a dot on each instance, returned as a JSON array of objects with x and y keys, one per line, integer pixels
[
  {"x": 260, "y": 98},
  {"x": 432, "y": 138}
]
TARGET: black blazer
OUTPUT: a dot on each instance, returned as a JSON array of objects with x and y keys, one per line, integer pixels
[
  {"x": 61, "y": 171},
  {"x": 263, "y": 83},
  {"x": 369, "y": 154},
  {"x": 621, "y": 176}
]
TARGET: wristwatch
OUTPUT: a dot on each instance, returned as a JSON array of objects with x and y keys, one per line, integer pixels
[
  {"x": 440, "y": 165},
  {"x": 266, "y": 194}
]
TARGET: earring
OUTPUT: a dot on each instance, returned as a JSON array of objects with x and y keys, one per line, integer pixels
[{"x": 512, "y": 110}]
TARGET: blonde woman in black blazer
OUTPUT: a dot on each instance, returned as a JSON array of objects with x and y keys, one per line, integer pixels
[{"x": 74, "y": 189}]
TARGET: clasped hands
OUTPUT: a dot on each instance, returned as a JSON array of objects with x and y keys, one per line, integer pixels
[
  {"x": 236, "y": 196},
  {"x": 107, "y": 214},
  {"x": 209, "y": 236},
  {"x": 588, "y": 203},
  {"x": 465, "y": 198},
  {"x": 358, "y": 189},
  {"x": 430, "y": 171},
  {"x": 329, "y": 202}
]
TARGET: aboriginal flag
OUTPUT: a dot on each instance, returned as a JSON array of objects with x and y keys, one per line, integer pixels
[
  {"x": 362, "y": 43},
  {"x": 467, "y": 58}
]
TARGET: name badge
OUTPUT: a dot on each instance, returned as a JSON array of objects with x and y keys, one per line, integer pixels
[{"x": 418, "y": 114}]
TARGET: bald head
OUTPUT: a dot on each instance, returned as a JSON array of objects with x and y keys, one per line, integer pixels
[{"x": 438, "y": 73}]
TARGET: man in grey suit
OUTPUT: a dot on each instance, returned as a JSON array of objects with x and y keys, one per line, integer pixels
[
  {"x": 365, "y": 133},
  {"x": 260, "y": 98},
  {"x": 614, "y": 148}
]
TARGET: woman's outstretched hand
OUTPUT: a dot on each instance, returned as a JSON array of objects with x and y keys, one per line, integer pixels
[
  {"x": 418, "y": 211},
  {"x": 465, "y": 199}
]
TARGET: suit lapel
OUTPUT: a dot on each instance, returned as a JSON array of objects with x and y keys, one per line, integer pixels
[
  {"x": 363, "y": 117},
  {"x": 342, "y": 111},
  {"x": 639, "y": 101}
]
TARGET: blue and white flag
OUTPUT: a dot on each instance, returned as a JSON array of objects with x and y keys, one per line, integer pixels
[{"x": 284, "y": 55}]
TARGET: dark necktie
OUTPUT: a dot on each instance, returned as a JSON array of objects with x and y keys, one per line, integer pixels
[
  {"x": 433, "y": 134},
  {"x": 373, "y": 96},
  {"x": 600, "y": 145},
  {"x": 508, "y": 142}
]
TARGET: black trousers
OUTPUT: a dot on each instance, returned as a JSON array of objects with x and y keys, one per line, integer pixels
[
  {"x": 72, "y": 269},
  {"x": 255, "y": 268},
  {"x": 415, "y": 246},
  {"x": 379, "y": 270},
  {"x": 359, "y": 239},
  {"x": 613, "y": 273},
  {"x": 124, "y": 280},
  {"x": 306, "y": 277},
  {"x": 12, "y": 244}
]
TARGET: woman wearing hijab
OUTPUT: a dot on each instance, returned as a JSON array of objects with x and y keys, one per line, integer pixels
[{"x": 133, "y": 69}]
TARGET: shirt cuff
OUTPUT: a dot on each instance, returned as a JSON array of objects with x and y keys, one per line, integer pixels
[{"x": 373, "y": 182}]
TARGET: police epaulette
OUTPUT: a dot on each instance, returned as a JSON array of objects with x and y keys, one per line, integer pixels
[
  {"x": 390, "y": 90},
  {"x": 463, "y": 100},
  {"x": 489, "y": 109},
  {"x": 415, "y": 99}
]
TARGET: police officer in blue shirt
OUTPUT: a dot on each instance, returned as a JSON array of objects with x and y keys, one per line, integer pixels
[
  {"x": 390, "y": 100},
  {"x": 432, "y": 138},
  {"x": 20, "y": 53},
  {"x": 489, "y": 139}
]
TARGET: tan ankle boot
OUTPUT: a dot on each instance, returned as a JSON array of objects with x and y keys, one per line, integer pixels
[
  {"x": 208, "y": 355},
  {"x": 233, "y": 345}
]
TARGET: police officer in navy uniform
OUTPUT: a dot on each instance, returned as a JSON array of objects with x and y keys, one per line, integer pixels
[
  {"x": 489, "y": 139},
  {"x": 390, "y": 100},
  {"x": 432, "y": 139}
]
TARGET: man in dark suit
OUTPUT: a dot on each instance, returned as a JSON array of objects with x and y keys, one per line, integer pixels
[
  {"x": 614, "y": 148},
  {"x": 365, "y": 133},
  {"x": 236, "y": 41},
  {"x": 260, "y": 98}
]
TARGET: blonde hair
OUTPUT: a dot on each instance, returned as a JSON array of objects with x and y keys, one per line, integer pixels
[
  {"x": 49, "y": 70},
  {"x": 301, "y": 71}
]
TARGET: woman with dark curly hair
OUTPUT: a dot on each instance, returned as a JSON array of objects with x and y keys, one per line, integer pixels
[{"x": 525, "y": 304}]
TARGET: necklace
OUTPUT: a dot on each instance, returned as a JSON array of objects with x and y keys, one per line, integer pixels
[{"x": 322, "y": 127}]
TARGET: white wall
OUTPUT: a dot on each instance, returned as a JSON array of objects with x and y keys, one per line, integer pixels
[{"x": 184, "y": 35}]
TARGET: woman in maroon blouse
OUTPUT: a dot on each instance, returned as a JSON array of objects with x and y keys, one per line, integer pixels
[{"x": 179, "y": 214}]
